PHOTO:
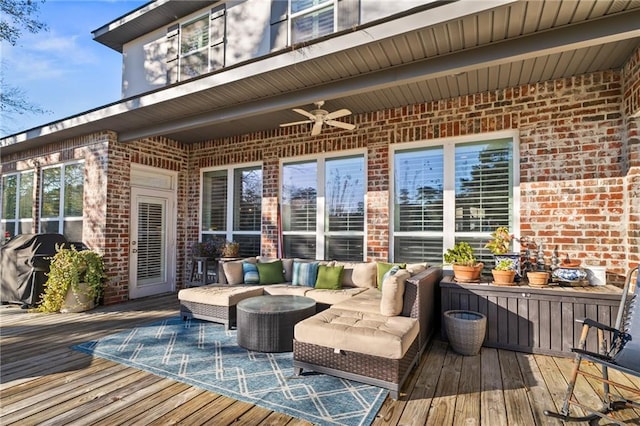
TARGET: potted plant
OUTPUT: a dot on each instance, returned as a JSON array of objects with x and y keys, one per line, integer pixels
[
  {"x": 75, "y": 281},
  {"x": 462, "y": 257},
  {"x": 500, "y": 244},
  {"x": 501, "y": 240},
  {"x": 503, "y": 273},
  {"x": 230, "y": 249},
  {"x": 209, "y": 249}
]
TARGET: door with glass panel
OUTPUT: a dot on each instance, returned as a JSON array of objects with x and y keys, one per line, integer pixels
[{"x": 152, "y": 242}]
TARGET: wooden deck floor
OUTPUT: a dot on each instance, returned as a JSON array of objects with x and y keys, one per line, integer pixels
[{"x": 44, "y": 382}]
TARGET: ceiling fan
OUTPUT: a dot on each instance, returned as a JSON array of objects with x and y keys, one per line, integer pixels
[{"x": 320, "y": 116}]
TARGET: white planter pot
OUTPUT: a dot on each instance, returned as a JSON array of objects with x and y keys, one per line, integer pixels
[{"x": 77, "y": 302}]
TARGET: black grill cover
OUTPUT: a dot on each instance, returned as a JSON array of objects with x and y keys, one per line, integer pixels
[{"x": 23, "y": 264}]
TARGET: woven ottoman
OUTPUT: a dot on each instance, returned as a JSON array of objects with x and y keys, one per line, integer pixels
[
  {"x": 366, "y": 347},
  {"x": 216, "y": 303}
]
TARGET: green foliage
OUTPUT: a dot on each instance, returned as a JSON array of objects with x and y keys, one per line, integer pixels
[
  {"x": 501, "y": 241},
  {"x": 69, "y": 267},
  {"x": 461, "y": 254},
  {"x": 504, "y": 265}
]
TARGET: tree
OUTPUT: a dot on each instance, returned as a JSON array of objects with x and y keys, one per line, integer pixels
[{"x": 16, "y": 16}]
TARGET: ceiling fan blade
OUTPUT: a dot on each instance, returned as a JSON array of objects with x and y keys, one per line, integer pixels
[
  {"x": 295, "y": 123},
  {"x": 305, "y": 113},
  {"x": 337, "y": 114},
  {"x": 316, "y": 128},
  {"x": 346, "y": 126}
]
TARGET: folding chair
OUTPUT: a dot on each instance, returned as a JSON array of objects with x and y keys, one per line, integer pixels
[{"x": 623, "y": 354}]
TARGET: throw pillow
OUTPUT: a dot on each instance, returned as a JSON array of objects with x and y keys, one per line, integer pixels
[
  {"x": 271, "y": 273},
  {"x": 329, "y": 277},
  {"x": 250, "y": 271},
  {"x": 383, "y": 268},
  {"x": 392, "y": 299},
  {"x": 233, "y": 272},
  {"x": 305, "y": 273},
  {"x": 390, "y": 272}
]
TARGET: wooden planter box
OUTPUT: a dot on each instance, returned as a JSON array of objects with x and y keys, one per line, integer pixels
[{"x": 534, "y": 320}]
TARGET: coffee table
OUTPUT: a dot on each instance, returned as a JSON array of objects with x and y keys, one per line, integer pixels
[{"x": 265, "y": 323}]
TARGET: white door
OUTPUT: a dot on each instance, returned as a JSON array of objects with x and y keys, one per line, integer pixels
[{"x": 152, "y": 249}]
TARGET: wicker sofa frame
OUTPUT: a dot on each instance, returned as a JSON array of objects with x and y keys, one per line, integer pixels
[{"x": 419, "y": 303}]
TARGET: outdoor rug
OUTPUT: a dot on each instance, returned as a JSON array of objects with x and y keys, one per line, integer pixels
[{"x": 205, "y": 355}]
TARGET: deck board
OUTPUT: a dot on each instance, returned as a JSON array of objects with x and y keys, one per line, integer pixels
[{"x": 43, "y": 381}]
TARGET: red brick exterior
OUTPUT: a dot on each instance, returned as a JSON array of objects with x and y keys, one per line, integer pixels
[{"x": 579, "y": 166}]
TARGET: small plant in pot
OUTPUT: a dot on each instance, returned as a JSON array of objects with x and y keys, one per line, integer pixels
[
  {"x": 75, "y": 281},
  {"x": 499, "y": 245},
  {"x": 466, "y": 268},
  {"x": 503, "y": 273},
  {"x": 230, "y": 249}
]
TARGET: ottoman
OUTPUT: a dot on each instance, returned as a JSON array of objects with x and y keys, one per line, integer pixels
[{"x": 216, "y": 303}]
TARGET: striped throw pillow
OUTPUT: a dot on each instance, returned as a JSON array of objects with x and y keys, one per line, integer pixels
[
  {"x": 250, "y": 271},
  {"x": 305, "y": 273}
]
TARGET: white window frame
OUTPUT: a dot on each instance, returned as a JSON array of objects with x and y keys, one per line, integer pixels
[
  {"x": 16, "y": 220},
  {"x": 61, "y": 218},
  {"x": 312, "y": 9},
  {"x": 228, "y": 233},
  {"x": 210, "y": 17},
  {"x": 320, "y": 232},
  {"x": 448, "y": 233}
]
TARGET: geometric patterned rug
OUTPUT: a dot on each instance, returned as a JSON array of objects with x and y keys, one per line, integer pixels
[{"x": 205, "y": 355}]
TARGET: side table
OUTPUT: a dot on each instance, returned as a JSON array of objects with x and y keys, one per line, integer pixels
[
  {"x": 265, "y": 323},
  {"x": 200, "y": 271}
]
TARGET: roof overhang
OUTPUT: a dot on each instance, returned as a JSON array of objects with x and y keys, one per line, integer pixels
[
  {"x": 145, "y": 19},
  {"x": 258, "y": 95}
]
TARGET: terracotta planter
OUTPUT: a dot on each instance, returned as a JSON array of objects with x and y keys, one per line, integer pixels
[
  {"x": 503, "y": 277},
  {"x": 467, "y": 274},
  {"x": 538, "y": 279}
]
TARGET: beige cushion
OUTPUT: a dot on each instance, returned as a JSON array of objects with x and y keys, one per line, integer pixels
[
  {"x": 367, "y": 301},
  {"x": 233, "y": 270},
  {"x": 373, "y": 334},
  {"x": 219, "y": 295},
  {"x": 393, "y": 293},
  {"x": 416, "y": 268},
  {"x": 331, "y": 297},
  {"x": 358, "y": 274},
  {"x": 286, "y": 289}
]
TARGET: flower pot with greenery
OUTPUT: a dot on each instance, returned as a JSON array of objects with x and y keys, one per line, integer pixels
[
  {"x": 499, "y": 245},
  {"x": 208, "y": 249},
  {"x": 503, "y": 273},
  {"x": 75, "y": 281},
  {"x": 466, "y": 268},
  {"x": 230, "y": 249}
]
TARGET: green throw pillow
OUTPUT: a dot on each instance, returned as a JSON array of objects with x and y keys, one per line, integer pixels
[
  {"x": 329, "y": 277},
  {"x": 271, "y": 273},
  {"x": 384, "y": 267}
]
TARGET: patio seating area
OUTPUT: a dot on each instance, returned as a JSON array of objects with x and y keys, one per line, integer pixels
[{"x": 43, "y": 381}]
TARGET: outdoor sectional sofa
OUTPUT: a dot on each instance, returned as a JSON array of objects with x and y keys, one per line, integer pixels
[{"x": 359, "y": 332}]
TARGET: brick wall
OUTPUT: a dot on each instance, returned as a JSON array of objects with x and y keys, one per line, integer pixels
[
  {"x": 160, "y": 153},
  {"x": 573, "y": 150},
  {"x": 631, "y": 89},
  {"x": 579, "y": 166}
]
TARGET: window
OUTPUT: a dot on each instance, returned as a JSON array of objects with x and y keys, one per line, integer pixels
[
  {"x": 17, "y": 204},
  {"x": 451, "y": 192},
  {"x": 323, "y": 208},
  {"x": 296, "y": 21},
  {"x": 62, "y": 200},
  {"x": 201, "y": 46},
  {"x": 232, "y": 207},
  {"x": 311, "y": 19}
]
